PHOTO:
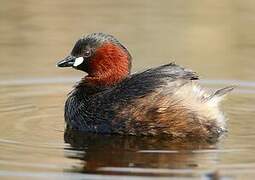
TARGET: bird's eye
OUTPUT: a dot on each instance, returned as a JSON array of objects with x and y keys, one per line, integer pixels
[{"x": 87, "y": 53}]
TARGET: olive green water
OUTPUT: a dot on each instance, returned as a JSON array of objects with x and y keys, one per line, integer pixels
[{"x": 214, "y": 38}]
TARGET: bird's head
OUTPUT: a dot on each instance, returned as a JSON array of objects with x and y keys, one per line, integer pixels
[{"x": 102, "y": 56}]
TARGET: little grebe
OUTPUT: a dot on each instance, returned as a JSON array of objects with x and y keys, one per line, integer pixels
[{"x": 159, "y": 101}]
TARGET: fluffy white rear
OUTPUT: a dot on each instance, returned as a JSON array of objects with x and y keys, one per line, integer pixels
[{"x": 204, "y": 104}]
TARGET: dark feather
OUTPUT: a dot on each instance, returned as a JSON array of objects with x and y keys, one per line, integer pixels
[{"x": 93, "y": 112}]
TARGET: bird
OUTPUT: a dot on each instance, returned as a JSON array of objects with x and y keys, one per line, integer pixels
[{"x": 161, "y": 101}]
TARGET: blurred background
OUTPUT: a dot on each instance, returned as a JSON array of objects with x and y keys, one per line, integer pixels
[{"x": 212, "y": 37}]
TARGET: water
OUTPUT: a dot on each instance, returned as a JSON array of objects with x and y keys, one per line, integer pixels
[{"x": 214, "y": 38}]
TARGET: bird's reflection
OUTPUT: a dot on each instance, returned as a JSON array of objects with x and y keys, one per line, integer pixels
[{"x": 140, "y": 152}]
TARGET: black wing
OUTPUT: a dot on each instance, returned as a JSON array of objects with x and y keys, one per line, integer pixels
[{"x": 139, "y": 84}]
